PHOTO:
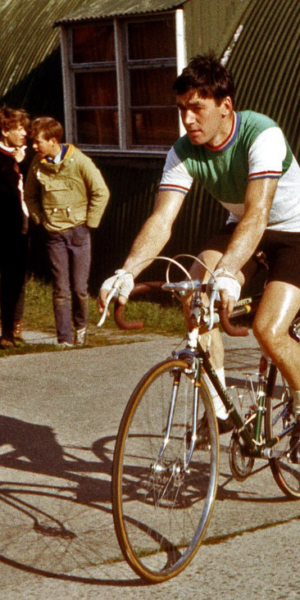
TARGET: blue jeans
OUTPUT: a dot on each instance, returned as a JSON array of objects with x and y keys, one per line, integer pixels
[{"x": 70, "y": 259}]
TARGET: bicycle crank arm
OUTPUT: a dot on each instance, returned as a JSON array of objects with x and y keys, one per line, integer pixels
[{"x": 273, "y": 453}]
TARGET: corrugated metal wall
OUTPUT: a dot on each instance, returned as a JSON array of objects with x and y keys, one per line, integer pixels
[
  {"x": 30, "y": 65},
  {"x": 265, "y": 64},
  {"x": 210, "y": 23}
]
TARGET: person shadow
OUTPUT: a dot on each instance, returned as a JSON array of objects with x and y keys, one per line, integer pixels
[
  {"x": 34, "y": 443},
  {"x": 34, "y": 448},
  {"x": 55, "y": 507}
]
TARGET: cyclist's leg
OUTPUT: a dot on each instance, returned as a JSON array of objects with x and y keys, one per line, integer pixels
[
  {"x": 197, "y": 271},
  {"x": 214, "y": 338},
  {"x": 278, "y": 307},
  {"x": 211, "y": 257}
]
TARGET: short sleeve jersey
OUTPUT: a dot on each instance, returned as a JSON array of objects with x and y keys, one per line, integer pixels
[{"x": 256, "y": 148}]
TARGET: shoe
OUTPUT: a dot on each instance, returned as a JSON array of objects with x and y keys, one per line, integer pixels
[
  {"x": 80, "y": 337},
  {"x": 224, "y": 426},
  {"x": 295, "y": 449},
  {"x": 202, "y": 433},
  {"x": 17, "y": 331},
  {"x": 6, "y": 343},
  {"x": 65, "y": 345}
]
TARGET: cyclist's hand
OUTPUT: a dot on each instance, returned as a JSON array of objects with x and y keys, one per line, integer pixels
[
  {"x": 227, "y": 288},
  {"x": 121, "y": 282},
  {"x": 227, "y": 301}
]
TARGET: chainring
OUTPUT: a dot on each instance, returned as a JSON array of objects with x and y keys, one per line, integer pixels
[{"x": 240, "y": 464}]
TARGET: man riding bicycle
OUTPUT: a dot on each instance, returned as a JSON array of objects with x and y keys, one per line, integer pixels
[{"x": 244, "y": 161}]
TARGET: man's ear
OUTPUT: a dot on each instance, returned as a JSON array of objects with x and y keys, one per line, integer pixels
[{"x": 227, "y": 106}]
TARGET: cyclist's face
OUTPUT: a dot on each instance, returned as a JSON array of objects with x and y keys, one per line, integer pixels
[{"x": 204, "y": 120}]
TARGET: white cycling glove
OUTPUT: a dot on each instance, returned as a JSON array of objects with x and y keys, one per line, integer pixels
[
  {"x": 122, "y": 282},
  {"x": 222, "y": 279}
]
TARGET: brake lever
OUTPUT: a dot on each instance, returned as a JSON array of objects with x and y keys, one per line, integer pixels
[
  {"x": 212, "y": 299},
  {"x": 110, "y": 296}
]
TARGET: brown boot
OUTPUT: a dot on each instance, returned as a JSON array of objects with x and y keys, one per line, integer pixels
[
  {"x": 17, "y": 332},
  {"x": 6, "y": 343}
]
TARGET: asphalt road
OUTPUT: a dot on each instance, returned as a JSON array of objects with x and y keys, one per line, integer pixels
[{"x": 59, "y": 416}]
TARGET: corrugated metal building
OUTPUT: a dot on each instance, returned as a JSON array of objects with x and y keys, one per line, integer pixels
[
  {"x": 265, "y": 63},
  {"x": 30, "y": 73},
  {"x": 258, "y": 38}
]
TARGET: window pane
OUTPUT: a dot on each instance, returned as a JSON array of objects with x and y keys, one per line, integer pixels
[
  {"x": 97, "y": 127},
  {"x": 154, "y": 127},
  {"x": 152, "y": 39},
  {"x": 96, "y": 89},
  {"x": 152, "y": 87},
  {"x": 93, "y": 44}
]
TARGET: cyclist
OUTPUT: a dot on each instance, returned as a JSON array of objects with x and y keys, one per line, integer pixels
[{"x": 244, "y": 161}]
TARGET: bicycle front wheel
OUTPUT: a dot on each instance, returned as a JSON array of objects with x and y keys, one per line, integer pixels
[
  {"x": 162, "y": 495},
  {"x": 279, "y": 418}
]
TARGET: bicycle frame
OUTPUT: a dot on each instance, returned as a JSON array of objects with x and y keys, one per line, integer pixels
[{"x": 254, "y": 443}]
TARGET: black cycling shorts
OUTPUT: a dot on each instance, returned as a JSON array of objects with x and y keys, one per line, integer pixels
[{"x": 282, "y": 250}]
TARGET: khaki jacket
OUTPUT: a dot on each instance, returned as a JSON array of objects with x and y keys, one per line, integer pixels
[{"x": 67, "y": 194}]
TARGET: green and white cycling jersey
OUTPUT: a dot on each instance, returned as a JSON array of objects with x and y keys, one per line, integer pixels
[{"x": 255, "y": 149}]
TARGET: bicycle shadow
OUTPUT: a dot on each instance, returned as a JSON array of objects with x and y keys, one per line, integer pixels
[
  {"x": 56, "y": 513},
  {"x": 53, "y": 511}
]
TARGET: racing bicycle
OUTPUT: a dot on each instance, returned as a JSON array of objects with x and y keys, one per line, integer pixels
[{"x": 165, "y": 476}]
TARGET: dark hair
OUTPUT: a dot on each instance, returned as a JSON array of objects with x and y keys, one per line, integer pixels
[
  {"x": 48, "y": 127},
  {"x": 10, "y": 118},
  {"x": 207, "y": 75}
]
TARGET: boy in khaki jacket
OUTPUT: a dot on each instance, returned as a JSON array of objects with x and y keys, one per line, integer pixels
[{"x": 67, "y": 195}]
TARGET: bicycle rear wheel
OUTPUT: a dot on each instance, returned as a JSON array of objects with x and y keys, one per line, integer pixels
[
  {"x": 162, "y": 509},
  {"x": 278, "y": 418}
]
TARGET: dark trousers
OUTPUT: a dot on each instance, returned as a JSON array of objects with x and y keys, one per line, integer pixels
[
  {"x": 13, "y": 267},
  {"x": 69, "y": 253}
]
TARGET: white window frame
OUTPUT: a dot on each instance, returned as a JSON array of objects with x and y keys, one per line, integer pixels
[{"x": 69, "y": 69}]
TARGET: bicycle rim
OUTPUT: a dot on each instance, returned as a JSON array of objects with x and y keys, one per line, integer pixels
[
  {"x": 279, "y": 417},
  {"x": 161, "y": 511}
]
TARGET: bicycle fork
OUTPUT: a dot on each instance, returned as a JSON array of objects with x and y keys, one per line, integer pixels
[{"x": 195, "y": 375}]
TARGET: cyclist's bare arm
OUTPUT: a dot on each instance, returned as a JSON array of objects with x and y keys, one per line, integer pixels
[
  {"x": 249, "y": 231},
  {"x": 153, "y": 236}
]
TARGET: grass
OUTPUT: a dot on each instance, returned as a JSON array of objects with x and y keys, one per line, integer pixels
[
  {"x": 158, "y": 319},
  {"x": 38, "y": 316}
]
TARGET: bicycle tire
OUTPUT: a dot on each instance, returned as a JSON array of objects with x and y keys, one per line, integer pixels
[
  {"x": 161, "y": 518},
  {"x": 278, "y": 417}
]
